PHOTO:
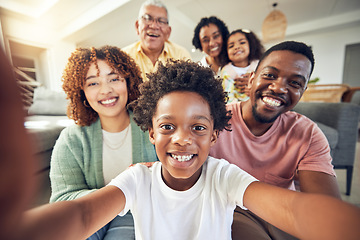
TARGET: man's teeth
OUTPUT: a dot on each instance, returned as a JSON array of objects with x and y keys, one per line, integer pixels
[
  {"x": 272, "y": 102},
  {"x": 108, "y": 101},
  {"x": 182, "y": 158}
]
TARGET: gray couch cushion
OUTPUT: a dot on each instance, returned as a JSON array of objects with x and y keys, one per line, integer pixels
[
  {"x": 44, "y": 130},
  {"x": 330, "y": 133},
  {"x": 47, "y": 102},
  {"x": 44, "y": 139}
]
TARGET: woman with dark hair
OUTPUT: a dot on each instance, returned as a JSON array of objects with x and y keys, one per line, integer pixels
[
  {"x": 209, "y": 36},
  {"x": 99, "y": 83}
]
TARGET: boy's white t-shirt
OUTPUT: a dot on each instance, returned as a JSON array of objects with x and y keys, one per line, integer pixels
[{"x": 205, "y": 211}]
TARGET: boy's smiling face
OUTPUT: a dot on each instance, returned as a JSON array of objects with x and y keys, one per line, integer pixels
[{"x": 182, "y": 132}]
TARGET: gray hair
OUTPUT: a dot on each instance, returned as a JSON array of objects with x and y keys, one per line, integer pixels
[{"x": 156, "y": 3}]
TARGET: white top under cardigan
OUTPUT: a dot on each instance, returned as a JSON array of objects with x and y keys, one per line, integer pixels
[
  {"x": 205, "y": 211},
  {"x": 117, "y": 152}
]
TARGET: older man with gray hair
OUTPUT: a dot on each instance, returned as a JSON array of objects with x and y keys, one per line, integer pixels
[{"x": 154, "y": 30}]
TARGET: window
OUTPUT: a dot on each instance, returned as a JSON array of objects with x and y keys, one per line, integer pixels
[{"x": 24, "y": 59}]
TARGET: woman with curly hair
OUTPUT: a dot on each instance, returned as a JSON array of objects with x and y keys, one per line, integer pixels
[
  {"x": 100, "y": 83},
  {"x": 209, "y": 36}
]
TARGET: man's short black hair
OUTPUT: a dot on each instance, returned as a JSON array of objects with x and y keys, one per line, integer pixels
[{"x": 293, "y": 46}]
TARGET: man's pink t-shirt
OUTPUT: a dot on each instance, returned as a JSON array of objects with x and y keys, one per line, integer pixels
[{"x": 292, "y": 143}]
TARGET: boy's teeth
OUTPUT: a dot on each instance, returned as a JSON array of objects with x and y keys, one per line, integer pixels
[
  {"x": 271, "y": 101},
  {"x": 108, "y": 101},
  {"x": 182, "y": 158}
]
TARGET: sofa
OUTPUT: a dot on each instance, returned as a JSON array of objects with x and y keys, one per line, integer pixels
[
  {"x": 45, "y": 120},
  {"x": 340, "y": 124},
  {"x": 44, "y": 130}
]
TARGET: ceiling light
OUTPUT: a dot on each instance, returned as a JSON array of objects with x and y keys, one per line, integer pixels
[{"x": 274, "y": 26}]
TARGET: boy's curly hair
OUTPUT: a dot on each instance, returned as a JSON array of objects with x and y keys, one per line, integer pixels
[
  {"x": 75, "y": 72},
  {"x": 181, "y": 75}
]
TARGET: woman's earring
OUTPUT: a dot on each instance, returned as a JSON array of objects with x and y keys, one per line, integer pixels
[{"x": 86, "y": 104}]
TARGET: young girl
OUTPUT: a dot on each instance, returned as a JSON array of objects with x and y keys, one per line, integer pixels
[
  {"x": 189, "y": 195},
  {"x": 244, "y": 50},
  {"x": 100, "y": 83},
  {"x": 209, "y": 36}
]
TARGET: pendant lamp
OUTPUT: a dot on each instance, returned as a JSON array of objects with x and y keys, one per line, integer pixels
[{"x": 274, "y": 26}]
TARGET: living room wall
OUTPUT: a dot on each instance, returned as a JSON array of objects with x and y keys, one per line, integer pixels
[
  {"x": 329, "y": 50},
  {"x": 328, "y": 46}
]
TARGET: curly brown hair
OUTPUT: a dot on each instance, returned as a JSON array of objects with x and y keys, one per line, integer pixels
[
  {"x": 75, "y": 72},
  {"x": 180, "y": 75}
]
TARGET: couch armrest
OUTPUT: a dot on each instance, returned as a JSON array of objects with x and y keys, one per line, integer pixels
[
  {"x": 344, "y": 117},
  {"x": 347, "y": 96}
]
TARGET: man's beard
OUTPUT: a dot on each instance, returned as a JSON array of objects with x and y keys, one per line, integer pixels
[{"x": 262, "y": 119}]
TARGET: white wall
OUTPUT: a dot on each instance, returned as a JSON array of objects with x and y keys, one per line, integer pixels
[
  {"x": 329, "y": 50},
  {"x": 328, "y": 46},
  {"x": 58, "y": 55}
]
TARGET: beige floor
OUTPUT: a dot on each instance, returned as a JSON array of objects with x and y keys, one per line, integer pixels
[{"x": 354, "y": 197}]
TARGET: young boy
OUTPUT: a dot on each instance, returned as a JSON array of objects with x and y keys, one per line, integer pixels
[{"x": 189, "y": 195}]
